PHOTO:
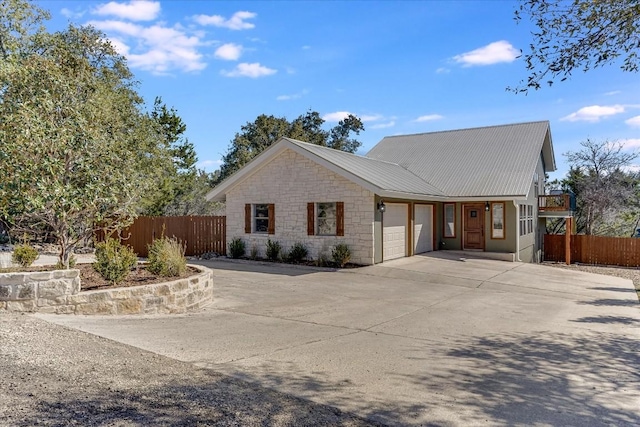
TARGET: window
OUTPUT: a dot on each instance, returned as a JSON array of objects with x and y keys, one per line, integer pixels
[
  {"x": 259, "y": 218},
  {"x": 526, "y": 219},
  {"x": 449, "y": 220},
  {"x": 325, "y": 219},
  {"x": 497, "y": 220}
]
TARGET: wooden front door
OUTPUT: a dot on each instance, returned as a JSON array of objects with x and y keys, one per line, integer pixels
[{"x": 473, "y": 227}]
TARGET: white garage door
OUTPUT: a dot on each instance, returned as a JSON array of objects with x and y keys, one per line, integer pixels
[
  {"x": 423, "y": 229},
  {"x": 394, "y": 233}
]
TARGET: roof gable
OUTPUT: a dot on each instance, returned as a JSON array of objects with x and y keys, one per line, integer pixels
[{"x": 487, "y": 161}]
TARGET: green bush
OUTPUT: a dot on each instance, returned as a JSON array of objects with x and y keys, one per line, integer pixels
[
  {"x": 114, "y": 261},
  {"x": 24, "y": 255},
  {"x": 273, "y": 250},
  {"x": 341, "y": 254},
  {"x": 236, "y": 248},
  {"x": 72, "y": 263},
  {"x": 298, "y": 253},
  {"x": 166, "y": 257},
  {"x": 254, "y": 252}
]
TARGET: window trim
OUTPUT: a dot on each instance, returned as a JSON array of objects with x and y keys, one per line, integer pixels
[
  {"x": 495, "y": 235},
  {"x": 255, "y": 218},
  {"x": 444, "y": 221}
]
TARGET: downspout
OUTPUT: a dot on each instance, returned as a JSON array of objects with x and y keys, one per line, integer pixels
[{"x": 517, "y": 234}]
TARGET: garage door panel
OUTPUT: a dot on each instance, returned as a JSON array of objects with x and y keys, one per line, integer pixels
[
  {"x": 394, "y": 233},
  {"x": 423, "y": 228}
]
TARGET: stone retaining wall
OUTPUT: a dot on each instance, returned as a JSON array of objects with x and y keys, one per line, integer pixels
[{"x": 59, "y": 292}]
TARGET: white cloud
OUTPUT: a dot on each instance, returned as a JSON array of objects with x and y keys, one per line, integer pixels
[
  {"x": 429, "y": 118},
  {"x": 253, "y": 70},
  {"x": 68, "y": 13},
  {"x": 384, "y": 125},
  {"x": 633, "y": 121},
  {"x": 593, "y": 113},
  {"x": 630, "y": 143},
  {"x": 371, "y": 117},
  {"x": 613, "y": 92},
  {"x": 306, "y": 47},
  {"x": 493, "y": 53},
  {"x": 156, "y": 48},
  {"x": 229, "y": 52},
  {"x": 208, "y": 164},
  {"x": 443, "y": 70},
  {"x": 140, "y": 10},
  {"x": 336, "y": 116},
  {"x": 293, "y": 96},
  {"x": 236, "y": 22}
]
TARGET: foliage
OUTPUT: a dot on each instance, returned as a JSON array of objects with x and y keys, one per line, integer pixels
[
  {"x": 179, "y": 177},
  {"x": 297, "y": 253},
  {"x": 607, "y": 194},
  {"x": 24, "y": 254},
  {"x": 236, "y": 248},
  {"x": 341, "y": 254},
  {"x": 166, "y": 257},
  {"x": 579, "y": 34},
  {"x": 273, "y": 250},
  {"x": 77, "y": 150},
  {"x": 114, "y": 261},
  {"x": 192, "y": 201},
  {"x": 264, "y": 131},
  {"x": 253, "y": 254},
  {"x": 72, "y": 263}
]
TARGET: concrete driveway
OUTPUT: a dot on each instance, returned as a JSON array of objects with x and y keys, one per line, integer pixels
[{"x": 427, "y": 340}]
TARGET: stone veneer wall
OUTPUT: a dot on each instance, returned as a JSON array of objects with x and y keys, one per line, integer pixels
[
  {"x": 59, "y": 292},
  {"x": 290, "y": 181}
]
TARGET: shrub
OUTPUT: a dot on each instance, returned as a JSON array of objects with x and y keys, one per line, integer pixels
[
  {"x": 341, "y": 254},
  {"x": 273, "y": 250},
  {"x": 72, "y": 263},
  {"x": 166, "y": 257},
  {"x": 236, "y": 248},
  {"x": 254, "y": 252},
  {"x": 298, "y": 253},
  {"x": 114, "y": 261},
  {"x": 24, "y": 254}
]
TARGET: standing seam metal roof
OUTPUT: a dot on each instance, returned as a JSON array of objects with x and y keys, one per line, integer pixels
[
  {"x": 488, "y": 161},
  {"x": 382, "y": 174}
]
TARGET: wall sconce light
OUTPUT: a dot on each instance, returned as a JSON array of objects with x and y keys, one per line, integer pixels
[
  {"x": 487, "y": 207},
  {"x": 381, "y": 206}
]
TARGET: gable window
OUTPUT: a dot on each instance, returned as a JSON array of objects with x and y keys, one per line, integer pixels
[
  {"x": 325, "y": 219},
  {"x": 259, "y": 218},
  {"x": 449, "y": 220}
]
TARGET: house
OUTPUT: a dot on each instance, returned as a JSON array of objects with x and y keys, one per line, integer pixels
[{"x": 470, "y": 189}]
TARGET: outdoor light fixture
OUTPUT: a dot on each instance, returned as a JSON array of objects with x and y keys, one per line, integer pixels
[
  {"x": 381, "y": 206},
  {"x": 487, "y": 207}
]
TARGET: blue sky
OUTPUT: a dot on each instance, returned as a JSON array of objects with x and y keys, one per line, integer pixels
[{"x": 402, "y": 67}]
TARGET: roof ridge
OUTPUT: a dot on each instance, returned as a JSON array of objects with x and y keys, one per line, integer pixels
[{"x": 463, "y": 129}]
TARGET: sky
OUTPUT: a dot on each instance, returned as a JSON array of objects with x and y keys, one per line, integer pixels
[{"x": 403, "y": 67}]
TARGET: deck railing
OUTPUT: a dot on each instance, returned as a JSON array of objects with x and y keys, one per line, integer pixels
[{"x": 556, "y": 202}]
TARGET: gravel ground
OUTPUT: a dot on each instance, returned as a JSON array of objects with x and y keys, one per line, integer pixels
[
  {"x": 54, "y": 376},
  {"x": 626, "y": 273}
]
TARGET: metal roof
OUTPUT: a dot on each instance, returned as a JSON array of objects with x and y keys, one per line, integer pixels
[
  {"x": 487, "y": 161},
  {"x": 382, "y": 174}
]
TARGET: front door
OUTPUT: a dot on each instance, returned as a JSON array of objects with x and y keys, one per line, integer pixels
[{"x": 473, "y": 227}]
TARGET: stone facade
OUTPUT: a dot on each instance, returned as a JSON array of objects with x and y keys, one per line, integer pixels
[
  {"x": 290, "y": 181},
  {"x": 59, "y": 292}
]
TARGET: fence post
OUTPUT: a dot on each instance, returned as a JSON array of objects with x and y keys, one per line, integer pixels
[{"x": 567, "y": 240}]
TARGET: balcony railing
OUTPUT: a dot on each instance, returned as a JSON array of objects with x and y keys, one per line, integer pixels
[{"x": 556, "y": 203}]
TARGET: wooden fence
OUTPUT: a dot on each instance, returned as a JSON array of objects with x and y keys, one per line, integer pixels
[
  {"x": 199, "y": 234},
  {"x": 622, "y": 251}
]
